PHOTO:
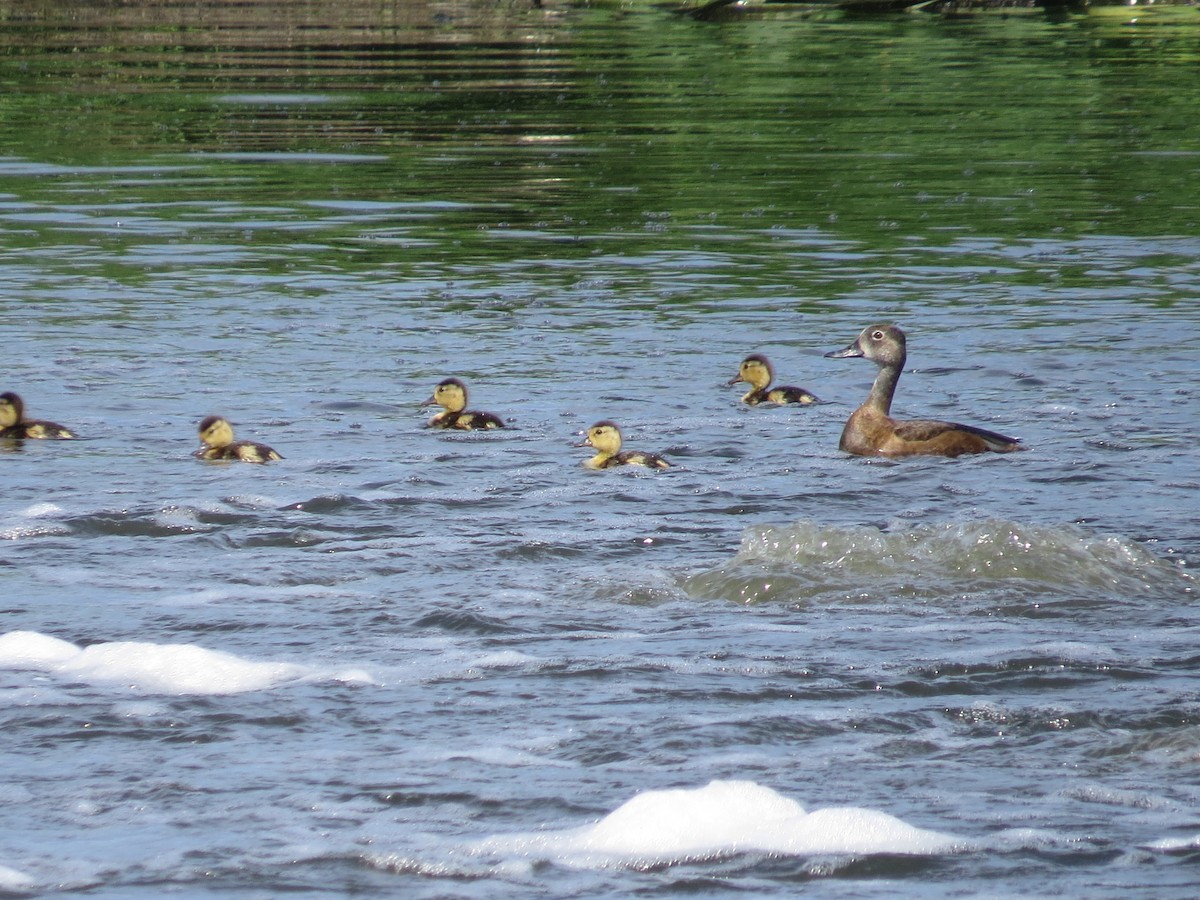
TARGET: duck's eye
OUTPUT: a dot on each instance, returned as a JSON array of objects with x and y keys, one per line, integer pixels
[{"x": 877, "y": 335}]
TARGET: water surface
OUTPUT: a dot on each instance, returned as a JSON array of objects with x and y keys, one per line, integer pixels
[{"x": 415, "y": 663}]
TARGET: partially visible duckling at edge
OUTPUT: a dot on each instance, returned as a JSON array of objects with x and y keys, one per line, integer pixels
[
  {"x": 217, "y": 436},
  {"x": 871, "y": 430},
  {"x": 13, "y": 423},
  {"x": 757, "y": 372},
  {"x": 605, "y": 437},
  {"x": 451, "y": 394}
]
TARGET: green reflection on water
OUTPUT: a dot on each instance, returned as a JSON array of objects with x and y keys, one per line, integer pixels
[{"x": 575, "y": 131}]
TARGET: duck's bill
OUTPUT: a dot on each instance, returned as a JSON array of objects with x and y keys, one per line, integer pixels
[{"x": 852, "y": 350}]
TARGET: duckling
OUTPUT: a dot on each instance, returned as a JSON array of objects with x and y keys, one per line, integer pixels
[
  {"x": 452, "y": 395},
  {"x": 216, "y": 434},
  {"x": 605, "y": 437},
  {"x": 871, "y": 431},
  {"x": 756, "y": 371},
  {"x": 13, "y": 423}
]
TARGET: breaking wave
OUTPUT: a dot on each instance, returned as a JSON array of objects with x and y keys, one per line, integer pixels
[{"x": 807, "y": 561}]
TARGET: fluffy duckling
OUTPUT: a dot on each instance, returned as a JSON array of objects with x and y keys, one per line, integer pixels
[
  {"x": 451, "y": 394},
  {"x": 871, "y": 431},
  {"x": 13, "y": 423},
  {"x": 605, "y": 437},
  {"x": 216, "y": 434},
  {"x": 756, "y": 371}
]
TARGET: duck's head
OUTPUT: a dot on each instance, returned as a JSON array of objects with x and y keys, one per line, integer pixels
[
  {"x": 605, "y": 436},
  {"x": 755, "y": 370},
  {"x": 450, "y": 394},
  {"x": 882, "y": 344},
  {"x": 216, "y": 431},
  {"x": 12, "y": 410}
]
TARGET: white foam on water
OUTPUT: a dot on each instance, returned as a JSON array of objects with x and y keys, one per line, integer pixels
[
  {"x": 41, "y": 529},
  {"x": 721, "y": 819},
  {"x": 1175, "y": 844},
  {"x": 12, "y": 880},
  {"x": 42, "y": 510},
  {"x": 156, "y": 668}
]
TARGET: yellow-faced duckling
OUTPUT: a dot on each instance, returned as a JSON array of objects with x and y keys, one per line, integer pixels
[
  {"x": 451, "y": 394},
  {"x": 605, "y": 437},
  {"x": 217, "y": 436},
  {"x": 871, "y": 431},
  {"x": 757, "y": 372},
  {"x": 13, "y": 423}
]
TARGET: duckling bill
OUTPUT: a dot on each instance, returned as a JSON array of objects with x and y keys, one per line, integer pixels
[
  {"x": 13, "y": 423},
  {"x": 451, "y": 395},
  {"x": 605, "y": 438},
  {"x": 756, "y": 371},
  {"x": 216, "y": 435},
  {"x": 871, "y": 430}
]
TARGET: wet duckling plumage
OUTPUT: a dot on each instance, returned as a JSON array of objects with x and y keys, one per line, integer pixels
[
  {"x": 451, "y": 395},
  {"x": 871, "y": 430},
  {"x": 605, "y": 438},
  {"x": 756, "y": 370},
  {"x": 216, "y": 434},
  {"x": 13, "y": 423}
]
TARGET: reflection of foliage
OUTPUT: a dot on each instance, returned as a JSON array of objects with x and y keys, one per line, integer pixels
[
  {"x": 718, "y": 10},
  {"x": 633, "y": 124},
  {"x": 726, "y": 10}
]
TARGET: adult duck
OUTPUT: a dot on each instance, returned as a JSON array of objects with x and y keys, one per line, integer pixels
[{"x": 871, "y": 430}]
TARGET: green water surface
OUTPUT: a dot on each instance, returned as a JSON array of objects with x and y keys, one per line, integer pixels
[{"x": 580, "y": 124}]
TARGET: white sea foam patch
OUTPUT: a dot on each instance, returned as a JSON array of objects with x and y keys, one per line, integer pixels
[
  {"x": 12, "y": 880},
  {"x": 43, "y": 510},
  {"x": 156, "y": 668},
  {"x": 722, "y": 819},
  {"x": 38, "y": 511},
  {"x": 1176, "y": 845},
  {"x": 807, "y": 558}
]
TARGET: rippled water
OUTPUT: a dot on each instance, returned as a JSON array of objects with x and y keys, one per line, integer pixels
[{"x": 425, "y": 664}]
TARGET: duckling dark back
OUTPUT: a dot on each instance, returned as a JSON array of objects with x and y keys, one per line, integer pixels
[{"x": 14, "y": 425}]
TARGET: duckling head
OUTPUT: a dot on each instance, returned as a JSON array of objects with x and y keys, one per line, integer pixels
[
  {"x": 450, "y": 394},
  {"x": 605, "y": 436},
  {"x": 12, "y": 410},
  {"x": 755, "y": 370},
  {"x": 216, "y": 431},
  {"x": 884, "y": 345}
]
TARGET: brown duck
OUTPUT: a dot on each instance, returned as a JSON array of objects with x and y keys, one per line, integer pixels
[{"x": 871, "y": 430}]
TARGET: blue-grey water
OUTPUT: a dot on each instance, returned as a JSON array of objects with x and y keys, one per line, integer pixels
[{"x": 404, "y": 662}]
